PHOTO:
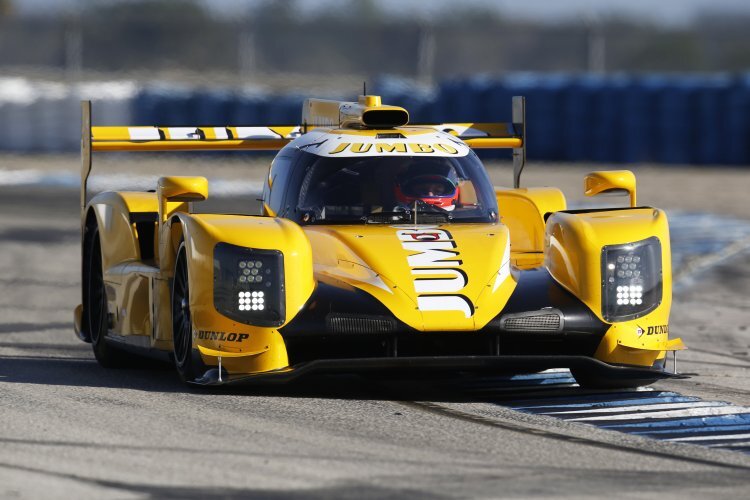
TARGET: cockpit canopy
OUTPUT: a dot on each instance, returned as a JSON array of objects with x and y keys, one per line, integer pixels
[{"x": 312, "y": 188}]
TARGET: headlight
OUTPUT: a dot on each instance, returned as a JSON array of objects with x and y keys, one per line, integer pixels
[
  {"x": 631, "y": 279},
  {"x": 249, "y": 284}
]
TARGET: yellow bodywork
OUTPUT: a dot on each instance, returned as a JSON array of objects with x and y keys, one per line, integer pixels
[
  {"x": 344, "y": 255},
  {"x": 139, "y": 294},
  {"x": 523, "y": 210},
  {"x": 573, "y": 243},
  {"x": 469, "y": 270},
  {"x": 381, "y": 261}
]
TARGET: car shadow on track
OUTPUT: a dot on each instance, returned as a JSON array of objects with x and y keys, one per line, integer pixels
[
  {"x": 84, "y": 371},
  {"x": 156, "y": 376}
]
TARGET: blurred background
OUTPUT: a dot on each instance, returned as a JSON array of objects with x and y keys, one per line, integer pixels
[{"x": 622, "y": 81}]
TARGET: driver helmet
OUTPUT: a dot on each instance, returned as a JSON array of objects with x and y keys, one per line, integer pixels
[{"x": 433, "y": 183}]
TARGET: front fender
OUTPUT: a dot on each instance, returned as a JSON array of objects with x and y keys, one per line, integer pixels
[
  {"x": 574, "y": 241},
  {"x": 214, "y": 331},
  {"x": 573, "y": 256}
]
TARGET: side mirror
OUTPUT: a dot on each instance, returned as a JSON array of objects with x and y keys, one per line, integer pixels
[
  {"x": 174, "y": 191},
  {"x": 611, "y": 181}
]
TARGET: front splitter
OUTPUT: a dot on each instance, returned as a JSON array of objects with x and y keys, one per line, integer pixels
[{"x": 411, "y": 366}]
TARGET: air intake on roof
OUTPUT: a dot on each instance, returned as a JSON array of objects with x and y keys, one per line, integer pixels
[
  {"x": 385, "y": 118},
  {"x": 368, "y": 112}
]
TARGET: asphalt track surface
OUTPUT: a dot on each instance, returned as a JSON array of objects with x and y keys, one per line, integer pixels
[{"x": 70, "y": 428}]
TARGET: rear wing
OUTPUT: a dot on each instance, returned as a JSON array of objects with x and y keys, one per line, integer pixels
[{"x": 272, "y": 138}]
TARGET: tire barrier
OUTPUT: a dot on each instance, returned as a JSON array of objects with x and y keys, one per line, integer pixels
[
  {"x": 617, "y": 119},
  {"x": 668, "y": 119}
]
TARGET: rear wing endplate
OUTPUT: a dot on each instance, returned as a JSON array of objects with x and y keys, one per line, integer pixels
[{"x": 519, "y": 153}]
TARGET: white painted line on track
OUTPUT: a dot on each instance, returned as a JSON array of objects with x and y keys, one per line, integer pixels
[
  {"x": 721, "y": 437},
  {"x": 642, "y": 408},
  {"x": 729, "y": 446},
  {"x": 692, "y": 412}
]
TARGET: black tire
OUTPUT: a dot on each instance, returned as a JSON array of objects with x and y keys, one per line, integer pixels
[
  {"x": 187, "y": 360},
  {"x": 590, "y": 380},
  {"x": 96, "y": 306}
]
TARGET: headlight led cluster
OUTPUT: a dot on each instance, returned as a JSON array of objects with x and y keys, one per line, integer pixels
[
  {"x": 249, "y": 284},
  {"x": 251, "y": 301},
  {"x": 632, "y": 295},
  {"x": 251, "y": 272},
  {"x": 627, "y": 266},
  {"x": 631, "y": 279}
]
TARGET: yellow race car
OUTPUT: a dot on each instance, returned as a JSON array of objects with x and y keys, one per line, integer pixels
[{"x": 382, "y": 247}]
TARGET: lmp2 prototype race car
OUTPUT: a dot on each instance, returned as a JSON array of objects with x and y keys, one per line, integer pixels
[{"x": 382, "y": 247}]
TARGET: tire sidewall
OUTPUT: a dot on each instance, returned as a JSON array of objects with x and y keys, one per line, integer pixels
[{"x": 192, "y": 366}]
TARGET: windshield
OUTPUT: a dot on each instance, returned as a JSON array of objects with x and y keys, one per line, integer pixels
[{"x": 388, "y": 189}]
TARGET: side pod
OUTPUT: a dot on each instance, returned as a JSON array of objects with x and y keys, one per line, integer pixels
[{"x": 523, "y": 210}]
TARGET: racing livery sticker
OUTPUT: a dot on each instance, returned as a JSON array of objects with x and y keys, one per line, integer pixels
[
  {"x": 347, "y": 145},
  {"x": 653, "y": 330},
  {"x": 222, "y": 336},
  {"x": 384, "y": 147},
  {"x": 436, "y": 269}
]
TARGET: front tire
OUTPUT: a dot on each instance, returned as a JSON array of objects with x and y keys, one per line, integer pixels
[{"x": 187, "y": 361}]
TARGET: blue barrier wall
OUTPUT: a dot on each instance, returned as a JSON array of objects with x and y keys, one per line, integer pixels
[{"x": 617, "y": 119}]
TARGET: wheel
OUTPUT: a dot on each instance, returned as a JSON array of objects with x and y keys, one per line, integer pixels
[
  {"x": 590, "y": 380},
  {"x": 96, "y": 306},
  {"x": 187, "y": 361}
]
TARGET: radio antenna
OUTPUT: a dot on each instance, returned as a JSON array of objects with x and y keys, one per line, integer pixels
[{"x": 364, "y": 87}]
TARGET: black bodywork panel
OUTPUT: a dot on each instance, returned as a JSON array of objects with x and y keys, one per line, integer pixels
[{"x": 342, "y": 322}]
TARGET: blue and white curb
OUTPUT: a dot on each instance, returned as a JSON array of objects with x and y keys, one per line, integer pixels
[{"x": 661, "y": 415}]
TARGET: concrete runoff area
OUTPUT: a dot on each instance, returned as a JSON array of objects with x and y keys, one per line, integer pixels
[{"x": 72, "y": 428}]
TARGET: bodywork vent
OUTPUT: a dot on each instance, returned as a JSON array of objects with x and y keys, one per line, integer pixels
[
  {"x": 359, "y": 324},
  {"x": 542, "y": 321}
]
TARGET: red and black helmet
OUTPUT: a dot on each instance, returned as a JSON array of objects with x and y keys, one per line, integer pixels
[{"x": 437, "y": 186}]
